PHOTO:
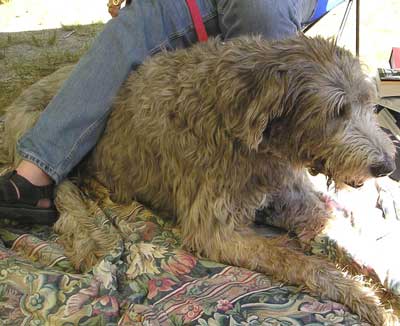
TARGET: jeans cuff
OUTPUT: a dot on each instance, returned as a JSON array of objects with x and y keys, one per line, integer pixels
[{"x": 42, "y": 165}]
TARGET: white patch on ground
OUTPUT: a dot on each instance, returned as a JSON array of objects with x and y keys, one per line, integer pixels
[{"x": 32, "y": 15}]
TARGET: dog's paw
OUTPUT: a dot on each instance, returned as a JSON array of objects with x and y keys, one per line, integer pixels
[
  {"x": 389, "y": 264},
  {"x": 393, "y": 285},
  {"x": 388, "y": 198}
]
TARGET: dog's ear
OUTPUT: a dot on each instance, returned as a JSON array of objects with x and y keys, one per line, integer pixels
[
  {"x": 265, "y": 106},
  {"x": 251, "y": 85},
  {"x": 255, "y": 122}
]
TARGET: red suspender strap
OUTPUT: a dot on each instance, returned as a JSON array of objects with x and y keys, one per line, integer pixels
[{"x": 197, "y": 20}]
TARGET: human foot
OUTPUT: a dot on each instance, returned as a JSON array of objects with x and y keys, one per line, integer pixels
[{"x": 25, "y": 202}]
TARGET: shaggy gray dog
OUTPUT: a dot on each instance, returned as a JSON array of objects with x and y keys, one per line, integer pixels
[{"x": 212, "y": 133}]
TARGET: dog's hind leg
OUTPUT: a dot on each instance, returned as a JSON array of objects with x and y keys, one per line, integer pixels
[{"x": 209, "y": 235}]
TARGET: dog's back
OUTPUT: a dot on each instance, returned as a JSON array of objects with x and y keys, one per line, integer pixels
[
  {"x": 188, "y": 118},
  {"x": 171, "y": 130}
]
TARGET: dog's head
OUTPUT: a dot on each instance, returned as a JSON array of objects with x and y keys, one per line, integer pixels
[
  {"x": 337, "y": 128},
  {"x": 316, "y": 106},
  {"x": 349, "y": 147}
]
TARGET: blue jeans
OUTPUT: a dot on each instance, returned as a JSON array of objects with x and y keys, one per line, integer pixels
[{"x": 75, "y": 118}]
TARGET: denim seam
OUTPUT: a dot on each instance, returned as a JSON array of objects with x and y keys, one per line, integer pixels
[
  {"x": 158, "y": 47},
  {"x": 79, "y": 141},
  {"x": 45, "y": 166},
  {"x": 182, "y": 32}
]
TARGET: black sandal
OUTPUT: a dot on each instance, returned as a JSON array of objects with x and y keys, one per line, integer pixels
[{"x": 24, "y": 209}]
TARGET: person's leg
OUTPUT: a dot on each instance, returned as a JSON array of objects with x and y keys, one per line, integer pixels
[
  {"x": 272, "y": 19},
  {"x": 75, "y": 118}
]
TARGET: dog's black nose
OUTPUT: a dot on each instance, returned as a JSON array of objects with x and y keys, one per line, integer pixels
[{"x": 383, "y": 168}]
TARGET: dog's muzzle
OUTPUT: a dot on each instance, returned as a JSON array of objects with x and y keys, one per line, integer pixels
[
  {"x": 377, "y": 170},
  {"x": 354, "y": 184},
  {"x": 382, "y": 168},
  {"x": 317, "y": 168}
]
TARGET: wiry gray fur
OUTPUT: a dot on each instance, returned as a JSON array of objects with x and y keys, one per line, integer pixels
[{"x": 211, "y": 133}]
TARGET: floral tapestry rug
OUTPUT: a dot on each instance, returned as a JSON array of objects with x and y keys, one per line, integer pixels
[{"x": 145, "y": 280}]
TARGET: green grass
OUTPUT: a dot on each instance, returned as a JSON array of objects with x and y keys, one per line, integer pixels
[
  {"x": 46, "y": 55},
  {"x": 46, "y": 39},
  {"x": 28, "y": 72},
  {"x": 83, "y": 30},
  {"x": 52, "y": 40}
]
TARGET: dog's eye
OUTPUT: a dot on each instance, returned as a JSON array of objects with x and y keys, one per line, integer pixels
[{"x": 375, "y": 109}]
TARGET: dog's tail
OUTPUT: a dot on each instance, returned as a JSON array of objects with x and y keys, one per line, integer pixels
[{"x": 83, "y": 229}]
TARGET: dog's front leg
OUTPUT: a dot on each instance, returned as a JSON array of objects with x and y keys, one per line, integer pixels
[
  {"x": 324, "y": 228},
  {"x": 298, "y": 207},
  {"x": 317, "y": 220},
  {"x": 210, "y": 225}
]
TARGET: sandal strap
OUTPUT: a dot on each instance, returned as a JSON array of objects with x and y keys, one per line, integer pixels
[
  {"x": 7, "y": 190},
  {"x": 28, "y": 192}
]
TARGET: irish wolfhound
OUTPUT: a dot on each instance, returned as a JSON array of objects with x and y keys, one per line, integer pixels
[{"x": 211, "y": 133}]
